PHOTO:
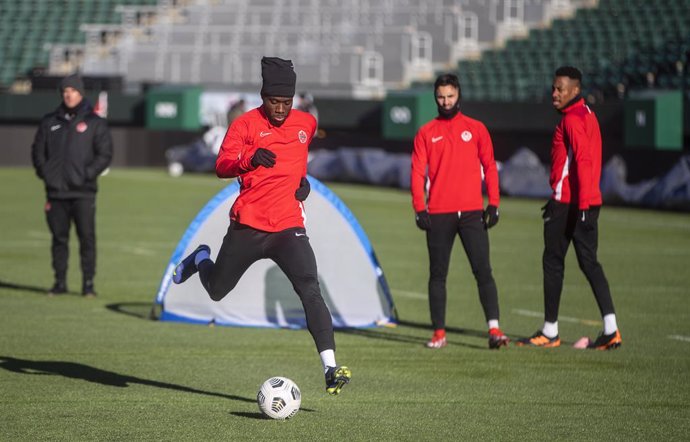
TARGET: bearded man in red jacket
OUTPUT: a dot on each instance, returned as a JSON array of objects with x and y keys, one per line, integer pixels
[
  {"x": 450, "y": 153},
  {"x": 572, "y": 213},
  {"x": 266, "y": 149}
]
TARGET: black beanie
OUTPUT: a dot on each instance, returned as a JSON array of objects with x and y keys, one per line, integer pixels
[
  {"x": 279, "y": 77},
  {"x": 73, "y": 81}
]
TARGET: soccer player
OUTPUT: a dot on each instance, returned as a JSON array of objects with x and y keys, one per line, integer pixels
[
  {"x": 572, "y": 213},
  {"x": 71, "y": 149},
  {"x": 266, "y": 148},
  {"x": 450, "y": 152}
]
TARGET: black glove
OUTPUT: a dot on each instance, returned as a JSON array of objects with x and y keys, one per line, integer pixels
[
  {"x": 490, "y": 216},
  {"x": 423, "y": 220},
  {"x": 263, "y": 157},
  {"x": 584, "y": 218},
  {"x": 546, "y": 211},
  {"x": 303, "y": 190}
]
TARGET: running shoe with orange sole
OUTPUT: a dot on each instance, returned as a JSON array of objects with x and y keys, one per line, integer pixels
[
  {"x": 607, "y": 342},
  {"x": 539, "y": 340}
]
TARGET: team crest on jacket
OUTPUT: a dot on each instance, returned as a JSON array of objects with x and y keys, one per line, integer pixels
[
  {"x": 302, "y": 135},
  {"x": 81, "y": 127},
  {"x": 466, "y": 135}
]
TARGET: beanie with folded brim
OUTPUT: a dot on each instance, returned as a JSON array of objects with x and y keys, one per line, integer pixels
[
  {"x": 278, "y": 77},
  {"x": 74, "y": 81}
]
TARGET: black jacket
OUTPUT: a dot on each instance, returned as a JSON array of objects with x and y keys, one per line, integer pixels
[{"x": 70, "y": 154}]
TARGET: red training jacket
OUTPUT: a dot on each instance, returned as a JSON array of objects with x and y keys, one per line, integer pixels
[
  {"x": 576, "y": 157},
  {"x": 267, "y": 195},
  {"x": 453, "y": 152}
]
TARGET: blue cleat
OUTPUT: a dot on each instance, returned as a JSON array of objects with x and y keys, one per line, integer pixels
[{"x": 187, "y": 267}]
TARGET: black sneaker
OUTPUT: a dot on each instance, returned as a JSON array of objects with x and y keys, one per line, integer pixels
[
  {"x": 87, "y": 289},
  {"x": 187, "y": 267},
  {"x": 336, "y": 378},
  {"x": 59, "y": 288},
  {"x": 607, "y": 342},
  {"x": 539, "y": 340}
]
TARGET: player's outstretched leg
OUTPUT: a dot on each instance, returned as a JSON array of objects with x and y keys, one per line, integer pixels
[
  {"x": 188, "y": 267},
  {"x": 336, "y": 378}
]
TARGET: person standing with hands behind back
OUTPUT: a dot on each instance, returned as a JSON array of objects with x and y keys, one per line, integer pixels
[
  {"x": 71, "y": 148},
  {"x": 450, "y": 152},
  {"x": 572, "y": 213}
]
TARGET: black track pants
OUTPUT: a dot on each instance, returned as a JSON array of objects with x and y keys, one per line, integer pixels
[
  {"x": 291, "y": 251},
  {"x": 560, "y": 228},
  {"x": 475, "y": 240},
  {"x": 60, "y": 213}
]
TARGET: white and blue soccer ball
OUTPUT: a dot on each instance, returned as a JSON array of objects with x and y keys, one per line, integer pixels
[{"x": 279, "y": 398}]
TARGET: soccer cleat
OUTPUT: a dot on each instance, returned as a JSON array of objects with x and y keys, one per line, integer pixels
[
  {"x": 607, "y": 342},
  {"x": 539, "y": 340},
  {"x": 497, "y": 339},
  {"x": 438, "y": 340},
  {"x": 187, "y": 267},
  {"x": 59, "y": 288},
  {"x": 87, "y": 290},
  {"x": 336, "y": 378}
]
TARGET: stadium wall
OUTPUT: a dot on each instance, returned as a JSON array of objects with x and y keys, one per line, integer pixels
[{"x": 346, "y": 123}]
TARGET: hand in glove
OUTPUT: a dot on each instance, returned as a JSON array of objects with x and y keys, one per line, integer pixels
[
  {"x": 303, "y": 190},
  {"x": 490, "y": 216},
  {"x": 263, "y": 157},
  {"x": 423, "y": 220}
]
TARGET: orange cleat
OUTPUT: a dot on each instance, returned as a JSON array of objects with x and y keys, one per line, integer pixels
[
  {"x": 607, "y": 342},
  {"x": 539, "y": 340}
]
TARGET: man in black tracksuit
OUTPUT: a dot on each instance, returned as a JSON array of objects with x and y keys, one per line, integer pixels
[{"x": 71, "y": 148}]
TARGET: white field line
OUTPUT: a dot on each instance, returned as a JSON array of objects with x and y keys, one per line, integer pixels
[
  {"x": 147, "y": 249},
  {"x": 408, "y": 294},
  {"x": 534, "y": 314},
  {"x": 679, "y": 338}
]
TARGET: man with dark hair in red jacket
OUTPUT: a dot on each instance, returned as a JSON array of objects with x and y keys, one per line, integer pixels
[
  {"x": 572, "y": 213},
  {"x": 449, "y": 154},
  {"x": 266, "y": 149}
]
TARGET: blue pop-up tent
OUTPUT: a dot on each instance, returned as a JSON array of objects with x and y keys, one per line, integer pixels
[{"x": 351, "y": 279}]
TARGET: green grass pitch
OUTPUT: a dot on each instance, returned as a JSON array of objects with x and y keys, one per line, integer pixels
[{"x": 79, "y": 369}]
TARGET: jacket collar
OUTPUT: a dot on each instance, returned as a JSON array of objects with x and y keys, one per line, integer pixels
[
  {"x": 573, "y": 104},
  {"x": 82, "y": 109}
]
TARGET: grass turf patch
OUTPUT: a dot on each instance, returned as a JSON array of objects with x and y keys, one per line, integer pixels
[{"x": 77, "y": 369}]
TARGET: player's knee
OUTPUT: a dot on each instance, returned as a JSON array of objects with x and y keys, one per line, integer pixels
[
  {"x": 483, "y": 277},
  {"x": 306, "y": 286},
  {"x": 218, "y": 293},
  {"x": 589, "y": 266}
]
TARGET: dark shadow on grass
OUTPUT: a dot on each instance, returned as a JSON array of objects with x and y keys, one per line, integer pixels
[
  {"x": 449, "y": 330},
  {"x": 141, "y": 310},
  {"x": 23, "y": 287},
  {"x": 258, "y": 416},
  {"x": 84, "y": 372},
  {"x": 144, "y": 310},
  {"x": 395, "y": 335}
]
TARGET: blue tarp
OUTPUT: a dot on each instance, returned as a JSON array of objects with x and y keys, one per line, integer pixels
[{"x": 521, "y": 175}]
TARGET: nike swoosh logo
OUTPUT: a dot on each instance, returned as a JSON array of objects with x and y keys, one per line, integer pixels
[
  {"x": 436, "y": 139},
  {"x": 300, "y": 234},
  {"x": 264, "y": 134},
  {"x": 54, "y": 128}
]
